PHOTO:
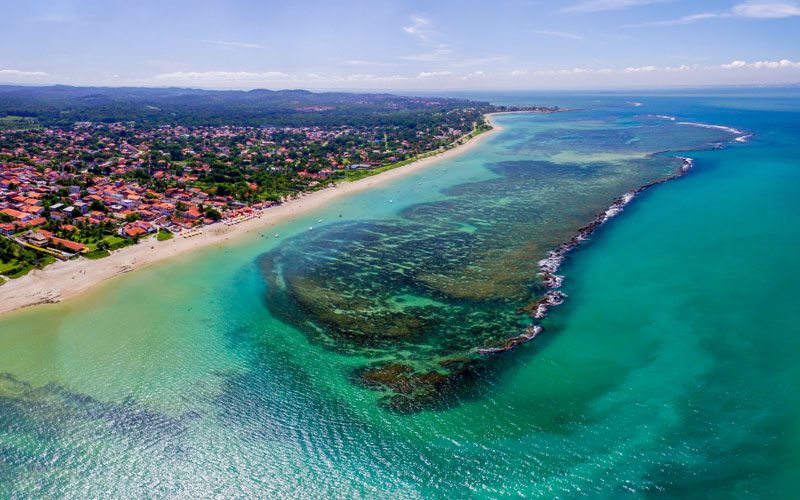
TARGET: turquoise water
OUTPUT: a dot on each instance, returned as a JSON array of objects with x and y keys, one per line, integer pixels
[{"x": 670, "y": 369}]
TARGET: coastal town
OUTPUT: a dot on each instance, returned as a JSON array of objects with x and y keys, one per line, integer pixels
[{"x": 92, "y": 188}]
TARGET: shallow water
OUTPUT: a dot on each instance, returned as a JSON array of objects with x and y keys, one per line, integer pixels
[
  {"x": 419, "y": 295},
  {"x": 669, "y": 370}
]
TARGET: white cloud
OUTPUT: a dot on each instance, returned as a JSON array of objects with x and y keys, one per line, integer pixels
[
  {"x": 558, "y": 34},
  {"x": 735, "y": 64},
  {"x": 475, "y": 74},
  {"x": 745, "y": 10},
  {"x": 419, "y": 28},
  {"x": 766, "y": 10},
  {"x": 653, "y": 70},
  {"x": 782, "y": 64},
  {"x": 434, "y": 74},
  {"x": 604, "y": 5},
  {"x": 684, "y": 20},
  {"x": 222, "y": 76},
  {"x": 15, "y": 73},
  {"x": 734, "y": 72},
  {"x": 249, "y": 79},
  {"x": 366, "y": 78},
  {"x": 640, "y": 69},
  {"x": 682, "y": 67},
  {"x": 237, "y": 45}
]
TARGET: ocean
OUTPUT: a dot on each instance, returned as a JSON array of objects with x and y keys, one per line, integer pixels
[{"x": 388, "y": 345}]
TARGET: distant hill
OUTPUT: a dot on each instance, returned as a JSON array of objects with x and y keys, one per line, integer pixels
[{"x": 63, "y": 105}]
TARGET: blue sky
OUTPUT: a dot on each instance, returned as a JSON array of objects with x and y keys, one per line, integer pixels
[{"x": 403, "y": 45}]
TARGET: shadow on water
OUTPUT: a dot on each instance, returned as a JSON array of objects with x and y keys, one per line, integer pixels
[{"x": 46, "y": 429}]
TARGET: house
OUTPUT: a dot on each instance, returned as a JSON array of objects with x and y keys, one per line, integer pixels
[
  {"x": 82, "y": 207},
  {"x": 16, "y": 214},
  {"x": 136, "y": 228},
  {"x": 61, "y": 242},
  {"x": 193, "y": 213},
  {"x": 36, "y": 222},
  {"x": 36, "y": 238},
  {"x": 133, "y": 231}
]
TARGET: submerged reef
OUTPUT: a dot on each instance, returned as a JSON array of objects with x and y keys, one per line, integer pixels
[{"x": 425, "y": 299}]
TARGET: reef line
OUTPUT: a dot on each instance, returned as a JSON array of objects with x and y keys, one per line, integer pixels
[{"x": 549, "y": 266}]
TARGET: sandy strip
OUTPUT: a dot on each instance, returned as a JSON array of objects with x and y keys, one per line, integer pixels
[{"x": 63, "y": 280}]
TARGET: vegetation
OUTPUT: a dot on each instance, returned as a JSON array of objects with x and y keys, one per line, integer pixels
[
  {"x": 63, "y": 105},
  {"x": 17, "y": 260},
  {"x": 164, "y": 235},
  {"x": 97, "y": 254},
  {"x": 10, "y": 122}
]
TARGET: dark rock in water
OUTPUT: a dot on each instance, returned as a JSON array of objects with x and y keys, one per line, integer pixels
[
  {"x": 394, "y": 376},
  {"x": 411, "y": 390},
  {"x": 529, "y": 333}
]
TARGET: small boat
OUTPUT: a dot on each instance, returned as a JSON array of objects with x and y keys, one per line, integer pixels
[{"x": 276, "y": 235}]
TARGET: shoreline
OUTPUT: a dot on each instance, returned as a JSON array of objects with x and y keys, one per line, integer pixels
[{"x": 65, "y": 280}]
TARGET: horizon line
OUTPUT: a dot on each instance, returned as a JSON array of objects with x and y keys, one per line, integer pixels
[{"x": 356, "y": 90}]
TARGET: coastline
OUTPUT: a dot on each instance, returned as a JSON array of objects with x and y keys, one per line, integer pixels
[{"x": 68, "y": 279}]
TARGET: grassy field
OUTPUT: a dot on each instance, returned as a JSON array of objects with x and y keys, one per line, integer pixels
[
  {"x": 113, "y": 242},
  {"x": 164, "y": 235},
  {"x": 97, "y": 254},
  {"x": 17, "y": 123},
  {"x": 6, "y": 267},
  {"x": 19, "y": 271},
  {"x": 15, "y": 268}
]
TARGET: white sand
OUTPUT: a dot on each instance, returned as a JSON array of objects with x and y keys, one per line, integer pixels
[{"x": 62, "y": 280}]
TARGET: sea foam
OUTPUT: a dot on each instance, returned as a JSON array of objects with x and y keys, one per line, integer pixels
[{"x": 742, "y": 136}]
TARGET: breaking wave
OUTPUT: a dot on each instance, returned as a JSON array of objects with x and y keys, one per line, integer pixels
[{"x": 741, "y": 136}]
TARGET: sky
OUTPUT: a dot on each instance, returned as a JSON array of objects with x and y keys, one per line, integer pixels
[{"x": 400, "y": 44}]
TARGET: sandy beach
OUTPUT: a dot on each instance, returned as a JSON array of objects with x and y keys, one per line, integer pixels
[{"x": 67, "y": 279}]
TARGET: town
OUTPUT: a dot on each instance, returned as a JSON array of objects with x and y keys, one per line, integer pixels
[{"x": 91, "y": 188}]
